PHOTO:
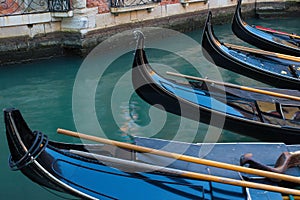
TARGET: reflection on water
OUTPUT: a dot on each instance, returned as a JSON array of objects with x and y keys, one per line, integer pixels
[{"x": 139, "y": 111}]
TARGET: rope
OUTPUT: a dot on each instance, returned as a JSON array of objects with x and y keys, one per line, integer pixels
[{"x": 38, "y": 146}]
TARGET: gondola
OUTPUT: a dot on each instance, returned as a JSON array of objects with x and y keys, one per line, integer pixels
[
  {"x": 104, "y": 171},
  {"x": 275, "y": 69},
  {"x": 256, "y": 115},
  {"x": 291, "y": 37},
  {"x": 93, "y": 172},
  {"x": 264, "y": 38}
]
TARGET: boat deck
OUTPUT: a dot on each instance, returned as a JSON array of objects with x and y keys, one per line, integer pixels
[{"x": 228, "y": 153}]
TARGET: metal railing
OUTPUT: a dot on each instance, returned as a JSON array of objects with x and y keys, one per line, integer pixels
[
  {"x": 131, "y": 3},
  {"x": 18, "y": 7},
  {"x": 59, "y": 5}
]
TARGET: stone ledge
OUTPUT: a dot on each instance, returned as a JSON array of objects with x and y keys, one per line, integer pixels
[
  {"x": 117, "y": 10},
  {"x": 277, "y": 9},
  {"x": 187, "y": 2},
  {"x": 17, "y": 20},
  {"x": 62, "y": 14}
]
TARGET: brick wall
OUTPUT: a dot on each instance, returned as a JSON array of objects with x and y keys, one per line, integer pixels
[
  {"x": 164, "y": 2},
  {"x": 103, "y": 5},
  {"x": 9, "y": 7}
]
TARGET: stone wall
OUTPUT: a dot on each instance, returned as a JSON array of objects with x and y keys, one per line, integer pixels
[{"x": 29, "y": 37}]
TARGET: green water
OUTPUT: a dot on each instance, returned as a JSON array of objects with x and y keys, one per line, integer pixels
[{"x": 44, "y": 92}]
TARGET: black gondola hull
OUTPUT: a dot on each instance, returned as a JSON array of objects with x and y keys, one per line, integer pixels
[
  {"x": 20, "y": 139},
  {"x": 255, "y": 130},
  {"x": 212, "y": 50},
  {"x": 85, "y": 175},
  {"x": 244, "y": 32},
  {"x": 151, "y": 90}
]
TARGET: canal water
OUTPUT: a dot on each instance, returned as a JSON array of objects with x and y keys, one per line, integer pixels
[{"x": 69, "y": 93}]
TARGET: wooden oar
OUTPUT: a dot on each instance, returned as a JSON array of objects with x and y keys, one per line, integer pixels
[
  {"x": 268, "y": 53},
  {"x": 271, "y": 175},
  {"x": 277, "y": 32},
  {"x": 290, "y": 198},
  {"x": 275, "y": 94},
  {"x": 138, "y": 166}
]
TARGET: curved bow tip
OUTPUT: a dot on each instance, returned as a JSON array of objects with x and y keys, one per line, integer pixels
[{"x": 140, "y": 38}]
